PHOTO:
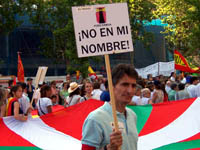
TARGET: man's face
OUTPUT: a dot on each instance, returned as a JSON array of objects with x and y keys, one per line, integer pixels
[
  {"x": 68, "y": 77},
  {"x": 29, "y": 82},
  {"x": 124, "y": 89}
]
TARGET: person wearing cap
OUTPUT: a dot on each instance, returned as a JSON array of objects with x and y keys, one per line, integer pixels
[
  {"x": 98, "y": 132},
  {"x": 74, "y": 95},
  {"x": 30, "y": 89}
]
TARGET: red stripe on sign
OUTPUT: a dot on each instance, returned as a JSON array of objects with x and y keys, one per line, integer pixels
[
  {"x": 71, "y": 119},
  {"x": 10, "y": 138},
  {"x": 163, "y": 114},
  {"x": 195, "y": 137}
]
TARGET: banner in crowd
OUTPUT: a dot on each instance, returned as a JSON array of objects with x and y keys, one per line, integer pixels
[
  {"x": 20, "y": 70},
  {"x": 98, "y": 31},
  {"x": 182, "y": 64},
  {"x": 172, "y": 125},
  {"x": 159, "y": 68}
]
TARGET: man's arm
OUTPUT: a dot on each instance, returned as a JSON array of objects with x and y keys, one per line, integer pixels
[{"x": 87, "y": 147}]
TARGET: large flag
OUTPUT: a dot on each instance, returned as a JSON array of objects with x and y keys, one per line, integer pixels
[
  {"x": 172, "y": 125},
  {"x": 20, "y": 70},
  {"x": 182, "y": 64}
]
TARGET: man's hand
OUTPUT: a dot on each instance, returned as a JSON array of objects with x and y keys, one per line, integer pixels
[{"x": 115, "y": 140}]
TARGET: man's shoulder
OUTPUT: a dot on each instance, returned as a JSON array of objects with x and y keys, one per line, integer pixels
[
  {"x": 131, "y": 112},
  {"x": 98, "y": 113}
]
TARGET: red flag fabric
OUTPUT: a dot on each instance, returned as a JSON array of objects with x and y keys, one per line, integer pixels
[
  {"x": 77, "y": 75},
  {"x": 171, "y": 125},
  {"x": 182, "y": 64},
  {"x": 20, "y": 70}
]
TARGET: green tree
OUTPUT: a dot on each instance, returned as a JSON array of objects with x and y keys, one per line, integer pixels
[
  {"x": 8, "y": 10},
  {"x": 56, "y": 16},
  {"x": 182, "y": 17}
]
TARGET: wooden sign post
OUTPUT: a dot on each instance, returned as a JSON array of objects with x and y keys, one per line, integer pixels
[
  {"x": 39, "y": 79},
  {"x": 103, "y": 30}
]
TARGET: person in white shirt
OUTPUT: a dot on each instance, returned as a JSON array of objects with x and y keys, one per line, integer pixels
[
  {"x": 102, "y": 83},
  {"x": 136, "y": 99},
  {"x": 74, "y": 95},
  {"x": 146, "y": 95},
  {"x": 173, "y": 76},
  {"x": 24, "y": 101},
  {"x": 44, "y": 104},
  {"x": 96, "y": 93},
  {"x": 168, "y": 86},
  {"x": 197, "y": 90},
  {"x": 192, "y": 87}
]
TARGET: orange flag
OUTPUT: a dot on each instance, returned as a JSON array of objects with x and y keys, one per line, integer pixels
[
  {"x": 20, "y": 70},
  {"x": 77, "y": 75}
]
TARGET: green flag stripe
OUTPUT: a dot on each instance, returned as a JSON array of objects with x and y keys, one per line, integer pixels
[
  {"x": 18, "y": 148},
  {"x": 181, "y": 146},
  {"x": 143, "y": 113}
]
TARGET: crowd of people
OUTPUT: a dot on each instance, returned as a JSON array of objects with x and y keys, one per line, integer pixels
[
  {"x": 162, "y": 89},
  {"x": 22, "y": 98}
]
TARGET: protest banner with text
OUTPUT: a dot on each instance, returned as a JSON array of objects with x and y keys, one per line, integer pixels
[{"x": 102, "y": 29}]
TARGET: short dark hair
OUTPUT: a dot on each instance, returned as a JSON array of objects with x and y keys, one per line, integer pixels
[
  {"x": 14, "y": 89},
  {"x": 193, "y": 79},
  {"x": 44, "y": 89},
  {"x": 23, "y": 85},
  {"x": 181, "y": 86},
  {"x": 123, "y": 69},
  {"x": 173, "y": 86},
  {"x": 96, "y": 85}
]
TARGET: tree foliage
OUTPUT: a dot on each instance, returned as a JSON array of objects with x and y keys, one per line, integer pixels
[
  {"x": 182, "y": 17},
  {"x": 8, "y": 10},
  {"x": 56, "y": 16}
]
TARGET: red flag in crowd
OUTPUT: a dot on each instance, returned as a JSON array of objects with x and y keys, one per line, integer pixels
[
  {"x": 182, "y": 64},
  {"x": 20, "y": 70},
  {"x": 77, "y": 75}
]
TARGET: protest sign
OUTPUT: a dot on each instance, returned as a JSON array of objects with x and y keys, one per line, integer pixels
[
  {"x": 102, "y": 29},
  {"x": 39, "y": 79}
]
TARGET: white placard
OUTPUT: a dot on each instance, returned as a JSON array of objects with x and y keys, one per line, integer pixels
[
  {"x": 41, "y": 73},
  {"x": 164, "y": 68},
  {"x": 102, "y": 29}
]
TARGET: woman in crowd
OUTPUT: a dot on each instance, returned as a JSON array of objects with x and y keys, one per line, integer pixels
[
  {"x": 64, "y": 92},
  {"x": 44, "y": 104},
  {"x": 13, "y": 105},
  {"x": 158, "y": 95},
  {"x": 54, "y": 91},
  {"x": 88, "y": 87},
  {"x": 74, "y": 95},
  {"x": 3, "y": 97}
]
